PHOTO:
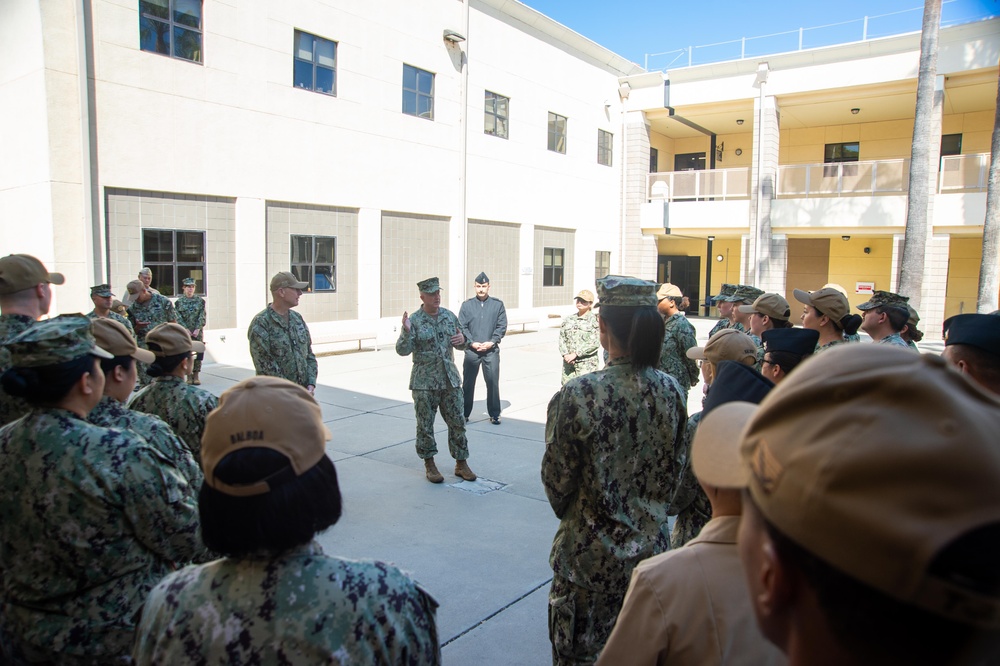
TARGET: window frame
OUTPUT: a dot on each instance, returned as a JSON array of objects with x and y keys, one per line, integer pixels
[
  {"x": 174, "y": 265},
  {"x": 832, "y": 161},
  {"x": 654, "y": 160},
  {"x": 951, "y": 138},
  {"x": 494, "y": 114},
  {"x": 417, "y": 93},
  {"x": 173, "y": 26},
  {"x": 312, "y": 263},
  {"x": 555, "y": 135},
  {"x": 602, "y": 264},
  {"x": 605, "y": 151},
  {"x": 313, "y": 63},
  {"x": 553, "y": 275}
]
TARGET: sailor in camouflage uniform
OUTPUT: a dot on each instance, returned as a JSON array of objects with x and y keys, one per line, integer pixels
[
  {"x": 678, "y": 337},
  {"x": 430, "y": 335},
  {"x": 147, "y": 310},
  {"x": 884, "y": 315},
  {"x": 25, "y": 295},
  {"x": 103, "y": 300},
  {"x": 276, "y": 598},
  {"x": 183, "y": 406},
  {"x": 191, "y": 315},
  {"x": 610, "y": 442},
  {"x": 579, "y": 339},
  {"x": 828, "y": 312},
  {"x": 119, "y": 380},
  {"x": 725, "y": 308},
  {"x": 280, "y": 344},
  {"x": 90, "y": 518}
]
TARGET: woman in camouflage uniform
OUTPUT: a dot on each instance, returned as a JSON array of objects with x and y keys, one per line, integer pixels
[
  {"x": 610, "y": 444},
  {"x": 276, "y": 598},
  {"x": 828, "y": 311},
  {"x": 191, "y": 315},
  {"x": 579, "y": 339}
]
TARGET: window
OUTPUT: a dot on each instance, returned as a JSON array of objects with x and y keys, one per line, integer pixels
[
  {"x": 951, "y": 144},
  {"x": 314, "y": 260},
  {"x": 418, "y": 92},
  {"x": 495, "y": 120},
  {"x": 835, "y": 153},
  {"x": 602, "y": 264},
  {"x": 315, "y": 64},
  {"x": 654, "y": 160},
  {"x": 605, "y": 142},
  {"x": 171, "y": 28},
  {"x": 173, "y": 256},
  {"x": 552, "y": 267},
  {"x": 557, "y": 133}
]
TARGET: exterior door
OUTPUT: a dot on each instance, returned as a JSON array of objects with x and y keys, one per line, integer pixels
[{"x": 685, "y": 272}]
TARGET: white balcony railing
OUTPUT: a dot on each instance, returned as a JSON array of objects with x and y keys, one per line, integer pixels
[
  {"x": 715, "y": 184},
  {"x": 964, "y": 173}
]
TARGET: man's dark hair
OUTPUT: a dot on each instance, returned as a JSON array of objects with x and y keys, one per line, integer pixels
[
  {"x": 108, "y": 365},
  {"x": 785, "y": 360},
  {"x": 47, "y": 384},
  {"x": 639, "y": 329},
  {"x": 289, "y": 515},
  {"x": 983, "y": 366},
  {"x": 897, "y": 316}
]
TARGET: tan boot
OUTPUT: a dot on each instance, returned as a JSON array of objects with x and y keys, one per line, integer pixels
[
  {"x": 195, "y": 380},
  {"x": 462, "y": 470},
  {"x": 431, "y": 471}
]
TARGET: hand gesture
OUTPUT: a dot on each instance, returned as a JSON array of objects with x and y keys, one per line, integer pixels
[
  {"x": 406, "y": 321},
  {"x": 569, "y": 358},
  {"x": 458, "y": 339}
]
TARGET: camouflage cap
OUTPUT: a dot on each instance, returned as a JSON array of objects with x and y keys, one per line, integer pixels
[
  {"x": 668, "y": 290},
  {"x": 727, "y": 291},
  {"x": 585, "y": 295},
  {"x": 773, "y": 305},
  {"x": 746, "y": 294},
  {"x": 285, "y": 279},
  {"x": 22, "y": 271},
  {"x": 884, "y": 299},
  {"x": 189, "y": 282},
  {"x": 171, "y": 339},
  {"x": 914, "y": 317},
  {"x": 429, "y": 286},
  {"x": 113, "y": 337},
  {"x": 268, "y": 413},
  {"x": 624, "y": 291},
  {"x": 53, "y": 341},
  {"x": 103, "y": 290}
]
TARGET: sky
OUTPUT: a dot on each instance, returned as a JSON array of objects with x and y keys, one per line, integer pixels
[{"x": 635, "y": 28}]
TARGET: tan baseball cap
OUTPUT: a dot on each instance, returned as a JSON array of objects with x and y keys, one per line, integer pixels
[
  {"x": 773, "y": 305},
  {"x": 828, "y": 300},
  {"x": 585, "y": 295},
  {"x": 269, "y": 413},
  {"x": 286, "y": 279},
  {"x": 668, "y": 290},
  {"x": 715, "y": 450},
  {"x": 171, "y": 339},
  {"x": 22, "y": 271},
  {"x": 112, "y": 336},
  {"x": 726, "y": 345},
  {"x": 875, "y": 459}
]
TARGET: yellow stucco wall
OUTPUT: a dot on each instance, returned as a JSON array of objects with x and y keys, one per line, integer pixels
[
  {"x": 964, "y": 258},
  {"x": 849, "y": 264}
]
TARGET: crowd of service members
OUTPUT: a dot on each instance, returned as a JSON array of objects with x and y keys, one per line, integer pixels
[{"x": 835, "y": 503}]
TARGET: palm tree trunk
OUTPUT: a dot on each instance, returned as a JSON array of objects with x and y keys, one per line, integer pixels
[
  {"x": 989, "y": 269},
  {"x": 911, "y": 275}
]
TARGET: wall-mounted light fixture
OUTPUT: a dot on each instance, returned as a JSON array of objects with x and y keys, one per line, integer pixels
[
  {"x": 719, "y": 257},
  {"x": 738, "y": 151},
  {"x": 868, "y": 250},
  {"x": 711, "y": 238},
  {"x": 855, "y": 110},
  {"x": 739, "y": 121},
  {"x": 453, "y": 36},
  {"x": 846, "y": 238}
]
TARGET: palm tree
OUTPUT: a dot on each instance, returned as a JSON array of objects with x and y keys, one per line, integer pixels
[
  {"x": 911, "y": 275},
  {"x": 989, "y": 269}
]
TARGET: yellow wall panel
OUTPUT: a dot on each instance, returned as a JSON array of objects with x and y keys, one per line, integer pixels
[{"x": 964, "y": 257}]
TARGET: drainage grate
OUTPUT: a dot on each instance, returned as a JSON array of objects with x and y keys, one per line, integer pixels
[{"x": 480, "y": 486}]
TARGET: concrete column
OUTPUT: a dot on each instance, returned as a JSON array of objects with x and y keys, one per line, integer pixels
[
  {"x": 637, "y": 252},
  {"x": 370, "y": 264},
  {"x": 762, "y": 266},
  {"x": 935, "y": 287}
]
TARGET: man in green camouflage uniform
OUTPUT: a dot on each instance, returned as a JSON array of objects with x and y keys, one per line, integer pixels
[
  {"x": 579, "y": 339},
  {"x": 148, "y": 310},
  {"x": 90, "y": 518},
  {"x": 25, "y": 295},
  {"x": 280, "y": 344},
  {"x": 884, "y": 315},
  {"x": 678, "y": 337},
  {"x": 725, "y": 308},
  {"x": 610, "y": 443},
  {"x": 191, "y": 315},
  {"x": 103, "y": 299},
  {"x": 430, "y": 335}
]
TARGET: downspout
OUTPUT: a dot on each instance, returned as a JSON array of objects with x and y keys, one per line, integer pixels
[
  {"x": 88, "y": 134},
  {"x": 760, "y": 184},
  {"x": 464, "y": 145}
]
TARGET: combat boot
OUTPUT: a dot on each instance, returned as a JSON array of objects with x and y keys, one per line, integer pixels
[
  {"x": 431, "y": 471},
  {"x": 462, "y": 470},
  {"x": 195, "y": 380}
]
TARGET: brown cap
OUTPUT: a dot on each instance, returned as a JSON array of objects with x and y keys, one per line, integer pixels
[
  {"x": 828, "y": 300},
  {"x": 726, "y": 345},
  {"x": 874, "y": 459},
  {"x": 172, "y": 339},
  {"x": 715, "y": 450},
  {"x": 135, "y": 287},
  {"x": 773, "y": 305},
  {"x": 585, "y": 295},
  {"x": 286, "y": 279},
  {"x": 112, "y": 336},
  {"x": 22, "y": 271},
  {"x": 668, "y": 290},
  {"x": 268, "y": 413}
]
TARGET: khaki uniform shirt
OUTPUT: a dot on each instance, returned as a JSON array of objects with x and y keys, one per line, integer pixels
[
  {"x": 429, "y": 340},
  {"x": 282, "y": 347}
]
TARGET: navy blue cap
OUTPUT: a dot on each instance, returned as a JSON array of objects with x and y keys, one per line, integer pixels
[
  {"x": 733, "y": 382},
  {"x": 801, "y": 341},
  {"x": 976, "y": 330}
]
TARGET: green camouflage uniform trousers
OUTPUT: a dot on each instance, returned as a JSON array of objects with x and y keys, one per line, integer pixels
[
  {"x": 611, "y": 439},
  {"x": 90, "y": 520},
  {"x": 698, "y": 511},
  {"x": 191, "y": 315},
  {"x": 114, "y": 316},
  {"x": 299, "y": 607},
  {"x": 11, "y": 407},
  {"x": 110, "y": 413},
  {"x": 678, "y": 337},
  {"x": 157, "y": 310},
  {"x": 581, "y": 336},
  {"x": 894, "y": 340},
  {"x": 434, "y": 380},
  {"x": 282, "y": 347},
  {"x": 184, "y": 407}
]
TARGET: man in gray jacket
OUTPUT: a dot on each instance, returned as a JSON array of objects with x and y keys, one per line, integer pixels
[{"x": 484, "y": 322}]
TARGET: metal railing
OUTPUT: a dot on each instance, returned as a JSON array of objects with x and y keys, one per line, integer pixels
[
  {"x": 964, "y": 172},
  {"x": 700, "y": 185}
]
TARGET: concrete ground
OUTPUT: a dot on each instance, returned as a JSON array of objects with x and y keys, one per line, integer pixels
[{"x": 481, "y": 548}]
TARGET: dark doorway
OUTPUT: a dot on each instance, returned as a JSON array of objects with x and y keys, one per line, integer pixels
[
  {"x": 689, "y": 162},
  {"x": 685, "y": 272}
]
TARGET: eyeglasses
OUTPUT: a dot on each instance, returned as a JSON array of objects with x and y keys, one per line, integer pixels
[{"x": 767, "y": 362}]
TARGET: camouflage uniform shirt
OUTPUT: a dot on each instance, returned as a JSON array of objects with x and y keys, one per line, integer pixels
[
  {"x": 678, "y": 337},
  {"x": 11, "y": 407},
  {"x": 110, "y": 413},
  {"x": 191, "y": 314},
  {"x": 90, "y": 520},
  {"x": 611, "y": 439},
  {"x": 693, "y": 516},
  {"x": 720, "y": 325},
  {"x": 157, "y": 310},
  {"x": 114, "y": 316},
  {"x": 895, "y": 340},
  {"x": 184, "y": 407},
  {"x": 282, "y": 347},
  {"x": 299, "y": 607},
  {"x": 581, "y": 336},
  {"x": 429, "y": 340}
]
